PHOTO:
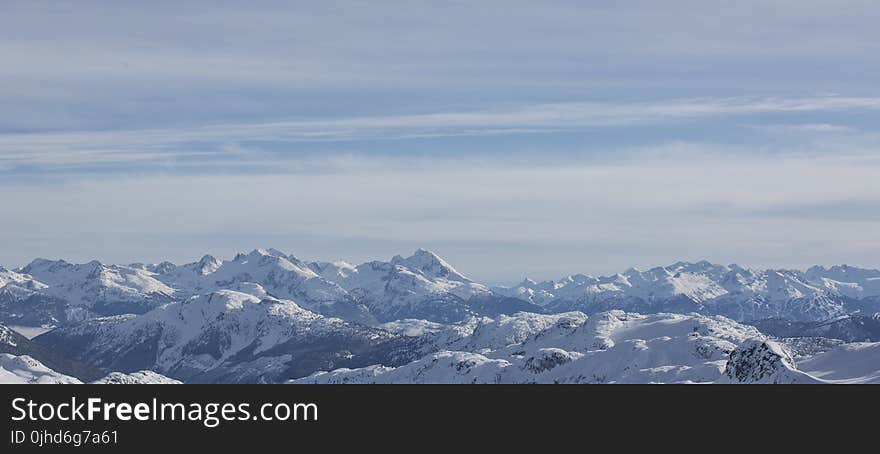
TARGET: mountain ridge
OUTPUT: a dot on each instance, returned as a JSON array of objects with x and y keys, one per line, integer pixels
[{"x": 425, "y": 286}]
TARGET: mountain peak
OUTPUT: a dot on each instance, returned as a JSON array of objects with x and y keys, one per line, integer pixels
[
  {"x": 164, "y": 267},
  {"x": 208, "y": 264},
  {"x": 528, "y": 282},
  {"x": 259, "y": 254},
  {"x": 430, "y": 264},
  {"x": 425, "y": 256},
  {"x": 268, "y": 252},
  {"x": 41, "y": 263}
]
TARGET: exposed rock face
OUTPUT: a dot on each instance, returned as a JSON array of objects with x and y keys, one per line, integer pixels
[{"x": 763, "y": 361}]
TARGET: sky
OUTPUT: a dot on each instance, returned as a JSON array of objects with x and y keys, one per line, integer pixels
[{"x": 513, "y": 138}]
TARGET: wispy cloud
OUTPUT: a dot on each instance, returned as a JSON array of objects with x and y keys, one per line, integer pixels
[
  {"x": 818, "y": 128},
  {"x": 121, "y": 146}
]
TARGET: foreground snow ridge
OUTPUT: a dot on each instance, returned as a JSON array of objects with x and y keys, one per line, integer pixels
[{"x": 613, "y": 347}]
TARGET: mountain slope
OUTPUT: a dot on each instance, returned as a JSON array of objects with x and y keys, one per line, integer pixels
[
  {"x": 849, "y": 363},
  {"x": 16, "y": 344},
  {"x": 227, "y": 336}
]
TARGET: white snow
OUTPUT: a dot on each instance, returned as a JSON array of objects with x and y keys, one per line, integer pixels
[
  {"x": 857, "y": 362},
  {"x": 402, "y": 281},
  {"x": 144, "y": 377},
  {"x": 412, "y": 327},
  {"x": 242, "y": 320},
  {"x": 26, "y": 370},
  {"x": 84, "y": 284},
  {"x": 613, "y": 347}
]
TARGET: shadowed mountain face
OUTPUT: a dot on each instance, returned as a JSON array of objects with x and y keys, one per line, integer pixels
[
  {"x": 15, "y": 344},
  {"x": 228, "y": 336}
]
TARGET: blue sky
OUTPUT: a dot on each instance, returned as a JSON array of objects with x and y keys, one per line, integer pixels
[{"x": 513, "y": 138}]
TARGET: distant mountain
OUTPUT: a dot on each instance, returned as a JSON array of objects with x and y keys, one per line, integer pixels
[
  {"x": 422, "y": 286},
  {"x": 265, "y": 272},
  {"x": 55, "y": 292},
  {"x": 733, "y": 291},
  {"x": 98, "y": 288}
]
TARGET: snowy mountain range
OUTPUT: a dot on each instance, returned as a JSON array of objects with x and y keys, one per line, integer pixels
[
  {"x": 267, "y": 316},
  {"x": 424, "y": 286},
  {"x": 740, "y": 293}
]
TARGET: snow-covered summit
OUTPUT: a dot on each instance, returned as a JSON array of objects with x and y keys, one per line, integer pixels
[
  {"x": 422, "y": 285},
  {"x": 100, "y": 288},
  {"x": 430, "y": 265}
]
